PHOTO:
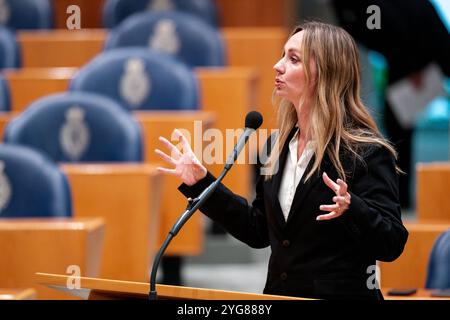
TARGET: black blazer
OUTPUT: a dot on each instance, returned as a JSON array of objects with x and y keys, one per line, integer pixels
[{"x": 319, "y": 259}]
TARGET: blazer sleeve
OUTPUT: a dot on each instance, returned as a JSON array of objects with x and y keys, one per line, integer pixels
[
  {"x": 245, "y": 222},
  {"x": 374, "y": 216}
]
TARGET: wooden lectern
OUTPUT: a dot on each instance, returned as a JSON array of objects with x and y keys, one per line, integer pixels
[
  {"x": 28, "y": 245},
  {"x": 103, "y": 289}
]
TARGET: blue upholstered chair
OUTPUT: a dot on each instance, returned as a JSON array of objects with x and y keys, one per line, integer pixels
[
  {"x": 115, "y": 11},
  {"x": 139, "y": 79},
  {"x": 184, "y": 36},
  {"x": 4, "y": 95},
  {"x": 438, "y": 276},
  {"x": 78, "y": 127},
  {"x": 31, "y": 184},
  {"x": 9, "y": 49},
  {"x": 26, "y": 14}
]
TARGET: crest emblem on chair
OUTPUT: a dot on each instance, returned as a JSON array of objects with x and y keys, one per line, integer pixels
[
  {"x": 160, "y": 5},
  {"x": 164, "y": 37},
  {"x": 4, "y": 12},
  {"x": 135, "y": 83},
  {"x": 74, "y": 134},
  {"x": 5, "y": 188}
]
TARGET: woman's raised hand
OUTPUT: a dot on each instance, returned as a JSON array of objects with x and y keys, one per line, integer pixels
[
  {"x": 187, "y": 166},
  {"x": 341, "y": 201}
]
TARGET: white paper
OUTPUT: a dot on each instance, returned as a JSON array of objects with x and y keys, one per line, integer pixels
[{"x": 407, "y": 101}]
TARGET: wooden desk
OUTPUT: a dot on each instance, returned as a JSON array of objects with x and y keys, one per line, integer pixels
[
  {"x": 231, "y": 13},
  {"x": 257, "y": 13},
  {"x": 18, "y": 294},
  {"x": 54, "y": 244},
  {"x": 60, "y": 48},
  {"x": 433, "y": 185},
  {"x": 29, "y": 84},
  {"x": 127, "y": 197},
  {"x": 106, "y": 289},
  {"x": 410, "y": 269}
]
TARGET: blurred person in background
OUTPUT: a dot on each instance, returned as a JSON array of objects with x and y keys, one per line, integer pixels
[{"x": 412, "y": 35}]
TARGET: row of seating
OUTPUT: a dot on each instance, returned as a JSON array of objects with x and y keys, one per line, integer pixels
[
  {"x": 186, "y": 37},
  {"x": 138, "y": 210},
  {"x": 74, "y": 127},
  {"x": 138, "y": 79},
  {"x": 38, "y": 14},
  {"x": 80, "y": 126},
  {"x": 88, "y": 127}
]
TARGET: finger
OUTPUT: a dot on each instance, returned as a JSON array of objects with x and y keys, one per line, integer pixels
[
  {"x": 342, "y": 187},
  {"x": 328, "y": 216},
  {"x": 184, "y": 142},
  {"x": 168, "y": 171},
  {"x": 340, "y": 200},
  {"x": 330, "y": 183},
  {"x": 174, "y": 151},
  {"x": 329, "y": 207},
  {"x": 165, "y": 157}
]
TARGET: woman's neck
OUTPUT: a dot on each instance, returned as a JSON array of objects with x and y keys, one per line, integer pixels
[{"x": 303, "y": 122}]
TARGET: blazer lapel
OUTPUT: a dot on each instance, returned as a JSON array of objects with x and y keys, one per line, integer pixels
[
  {"x": 303, "y": 189},
  {"x": 276, "y": 179}
]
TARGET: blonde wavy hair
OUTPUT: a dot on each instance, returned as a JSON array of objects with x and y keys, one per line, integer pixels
[{"x": 338, "y": 118}]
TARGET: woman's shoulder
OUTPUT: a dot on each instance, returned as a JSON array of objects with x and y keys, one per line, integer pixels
[
  {"x": 369, "y": 154},
  {"x": 371, "y": 150}
]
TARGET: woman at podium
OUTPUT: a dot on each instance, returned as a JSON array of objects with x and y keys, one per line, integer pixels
[{"x": 327, "y": 197}]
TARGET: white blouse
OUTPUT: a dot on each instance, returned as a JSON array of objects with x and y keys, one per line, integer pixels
[{"x": 293, "y": 172}]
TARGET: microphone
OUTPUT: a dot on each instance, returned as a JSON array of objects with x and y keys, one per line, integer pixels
[{"x": 253, "y": 121}]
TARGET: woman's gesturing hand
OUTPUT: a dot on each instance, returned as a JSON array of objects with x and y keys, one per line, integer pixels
[
  {"x": 187, "y": 167},
  {"x": 341, "y": 201}
]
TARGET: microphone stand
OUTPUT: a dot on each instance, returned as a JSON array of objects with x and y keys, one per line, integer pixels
[
  {"x": 252, "y": 121},
  {"x": 193, "y": 205}
]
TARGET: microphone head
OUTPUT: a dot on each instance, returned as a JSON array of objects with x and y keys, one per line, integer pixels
[{"x": 253, "y": 120}]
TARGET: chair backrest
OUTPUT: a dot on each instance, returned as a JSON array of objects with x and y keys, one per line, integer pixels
[
  {"x": 115, "y": 11},
  {"x": 184, "y": 36},
  {"x": 9, "y": 49},
  {"x": 4, "y": 95},
  {"x": 31, "y": 184},
  {"x": 26, "y": 14},
  {"x": 78, "y": 127},
  {"x": 438, "y": 276},
  {"x": 139, "y": 79}
]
